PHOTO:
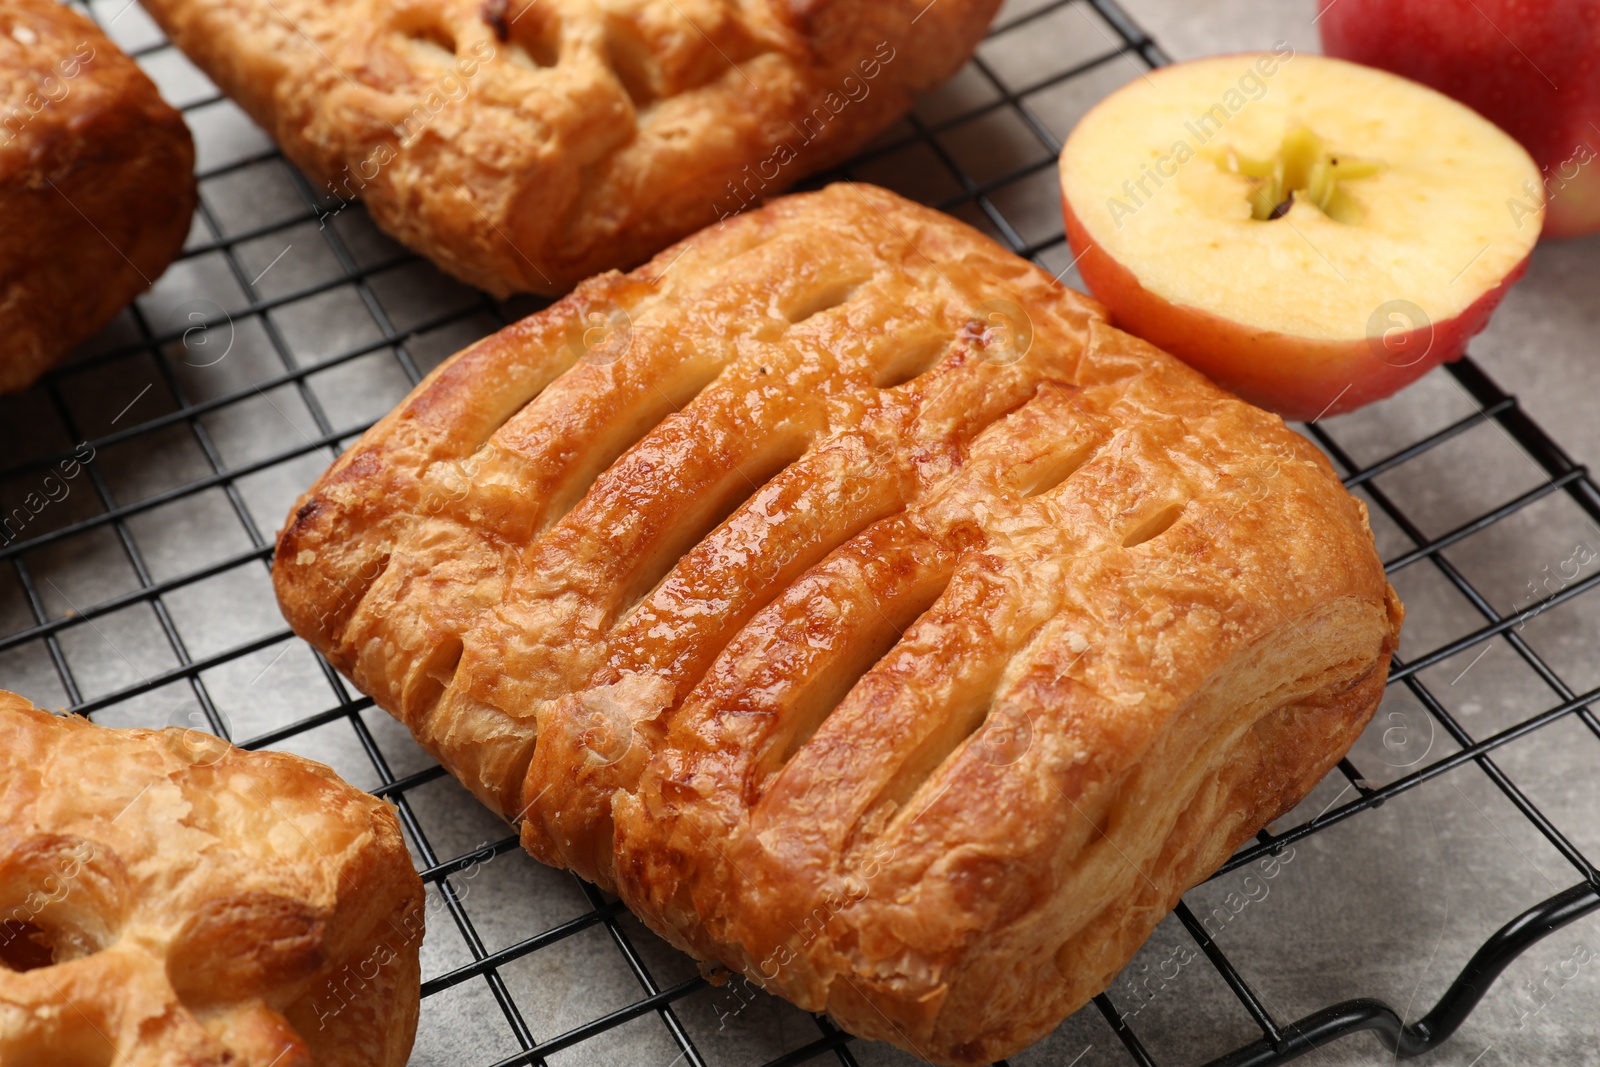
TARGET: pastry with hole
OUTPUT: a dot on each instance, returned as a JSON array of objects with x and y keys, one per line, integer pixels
[
  {"x": 166, "y": 898},
  {"x": 96, "y": 184},
  {"x": 849, "y": 597}
]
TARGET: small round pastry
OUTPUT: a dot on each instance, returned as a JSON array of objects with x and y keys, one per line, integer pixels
[
  {"x": 96, "y": 184},
  {"x": 166, "y": 898}
]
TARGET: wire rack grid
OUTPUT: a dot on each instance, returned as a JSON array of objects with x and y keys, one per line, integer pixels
[{"x": 140, "y": 594}]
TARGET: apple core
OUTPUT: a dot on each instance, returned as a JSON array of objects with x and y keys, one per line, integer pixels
[{"x": 1302, "y": 168}]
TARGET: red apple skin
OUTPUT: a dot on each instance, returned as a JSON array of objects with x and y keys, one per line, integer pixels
[
  {"x": 1532, "y": 67},
  {"x": 1298, "y": 377}
]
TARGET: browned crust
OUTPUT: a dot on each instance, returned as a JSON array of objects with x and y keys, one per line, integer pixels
[
  {"x": 96, "y": 184},
  {"x": 225, "y": 907},
  {"x": 646, "y": 122},
  {"x": 899, "y": 737}
]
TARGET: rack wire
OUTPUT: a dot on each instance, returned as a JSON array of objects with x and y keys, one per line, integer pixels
[{"x": 141, "y": 594}]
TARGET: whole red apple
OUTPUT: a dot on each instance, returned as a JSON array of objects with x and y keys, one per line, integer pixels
[{"x": 1530, "y": 66}]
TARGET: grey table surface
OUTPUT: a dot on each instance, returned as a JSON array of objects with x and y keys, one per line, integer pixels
[{"x": 1389, "y": 904}]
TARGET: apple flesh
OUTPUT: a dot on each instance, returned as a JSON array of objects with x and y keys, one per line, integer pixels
[
  {"x": 1530, "y": 66},
  {"x": 1311, "y": 234}
]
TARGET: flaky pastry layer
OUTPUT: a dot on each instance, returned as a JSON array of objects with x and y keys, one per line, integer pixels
[
  {"x": 524, "y": 145},
  {"x": 848, "y": 596},
  {"x": 167, "y": 900},
  {"x": 96, "y": 184}
]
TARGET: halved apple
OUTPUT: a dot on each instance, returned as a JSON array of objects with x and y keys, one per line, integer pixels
[{"x": 1310, "y": 233}]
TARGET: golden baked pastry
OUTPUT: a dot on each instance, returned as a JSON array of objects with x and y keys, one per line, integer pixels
[
  {"x": 96, "y": 184},
  {"x": 166, "y": 898},
  {"x": 849, "y": 597},
  {"x": 523, "y": 145}
]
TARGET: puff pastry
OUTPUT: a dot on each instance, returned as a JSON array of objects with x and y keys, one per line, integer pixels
[
  {"x": 523, "y": 145},
  {"x": 167, "y": 899},
  {"x": 848, "y": 596},
  {"x": 96, "y": 184}
]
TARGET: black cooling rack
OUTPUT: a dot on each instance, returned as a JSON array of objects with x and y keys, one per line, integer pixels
[{"x": 221, "y": 394}]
